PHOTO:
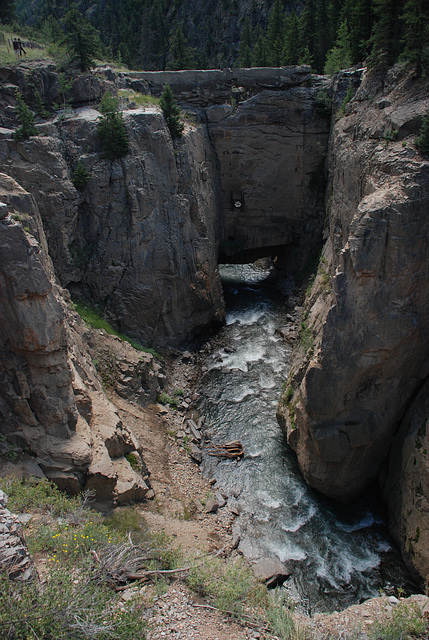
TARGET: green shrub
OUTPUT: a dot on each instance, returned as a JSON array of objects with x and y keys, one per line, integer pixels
[
  {"x": 405, "y": 623},
  {"x": 422, "y": 141},
  {"x": 80, "y": 176},
  {"x": 111, "y": 129},
  {"x": 93, "y": 318},
  {"x": 229, "y": 586},
  {"x": 323, "y": 103},
  {"x": 306, "y": 336},
  {"x": 65, "y": 608},
  {"x": 125, "y": 520},
  {"x": 347, "y": 98},
  {"x": 280, "y": 619},
  {"x": 289, "y": 394},
  {"x": 132, "y": 462},
  {"x": 165, "y": 398},
  {"x": 171, "y": 111},
  {"x": 25, "y": 118},
  {"x": 40, "y": 107},
  {"x": 40, "y": 494}
]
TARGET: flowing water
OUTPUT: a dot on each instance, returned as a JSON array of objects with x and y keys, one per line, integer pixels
[{"x": 338, "y": 556}]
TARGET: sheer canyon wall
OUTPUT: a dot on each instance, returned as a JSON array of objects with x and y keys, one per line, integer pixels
[{"x": 358, "y": 382}]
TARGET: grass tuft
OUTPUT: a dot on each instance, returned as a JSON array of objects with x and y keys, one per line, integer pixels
[{"x": 92, "y": 317}]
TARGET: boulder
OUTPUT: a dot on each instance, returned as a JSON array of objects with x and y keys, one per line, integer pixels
[{"x": 270, "y": 571}]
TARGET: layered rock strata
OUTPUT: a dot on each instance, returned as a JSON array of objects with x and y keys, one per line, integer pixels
[
  {"x": 363, "y": 354},
  {"x": 53, "y": 411},
  {"x": 140, "y": 240}
]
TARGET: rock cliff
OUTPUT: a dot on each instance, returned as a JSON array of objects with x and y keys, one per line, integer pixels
[
  {"x": 140, "y": 240},
  {"x": 55, "y": 417},
  {"x": 363, "y": 353}
]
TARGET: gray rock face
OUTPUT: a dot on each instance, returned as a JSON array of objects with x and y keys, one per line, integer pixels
[
  {"x": 205, "y": 88},
  {"x": 52, "y": 407},
  {"x": 406, "y": 485},
  {"x": 369, "y": 354},
  {"x": 140, "y": 240},
  {"x": 270, "y": 148},
  {"x": 15, "y": 559}
]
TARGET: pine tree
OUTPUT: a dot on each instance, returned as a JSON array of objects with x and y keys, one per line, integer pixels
[
  {"x": 360, "y": 22},
  {"x": 246, "y": 44},
  {"x": 386, "y": 32},
  {"x": 322, "y": 42},
  {"x": 275, "y": 35},
  {"x": 292, "y": 44},
  {"x": 416, "y": 37},
  {"x": 422, "y": 141},
  {"x": 158, "y": 34},
  {"x": 180, "y": 52},
  {"x": 80, "y": 176},
  {"x": 339, "y": 57},
  {"x": 260, "y": 54},
  {"x": 111, "y": 129},
  {"x": 308, "y": 32},
  {"x": 306, "y": 57},
  {"x": 81, "y": 39},
  {"x": 171, "y": 111},
  {"x": 25, "y": 118}
]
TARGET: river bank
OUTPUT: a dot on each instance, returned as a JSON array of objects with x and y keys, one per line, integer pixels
[{"x": 179, "y": 509}]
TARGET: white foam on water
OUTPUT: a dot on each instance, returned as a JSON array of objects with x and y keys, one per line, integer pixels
[
  {"x": 268, "y": 500},
  {"x": 383, "y": 546},
  {"x": 364, "y": 523},
  {"x": 288, "y": 552},
  {"x": 241, "y": 394},
  {"x": 340, "y": 570},
  {"x": 295, "y": 525},
  {"x": 266, "y": 382},
  {"x": 242, "y": 357},
  {"x": 243, "y": 317}
]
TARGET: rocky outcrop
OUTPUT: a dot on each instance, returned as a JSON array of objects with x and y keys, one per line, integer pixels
[
  {"x": 270, "y": 149},
  {"x": 205, "y": 88},
  {"x": 363, "y": 356},
  {"x": 405, "y": 484},
  {"x": 244, "y": 175},
  {"x": 53, "y": 411},
  {"x": 140, "y": 241},
  {"x": 15, "y": 559}
]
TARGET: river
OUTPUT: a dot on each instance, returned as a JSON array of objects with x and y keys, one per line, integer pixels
[{"x": 338, "y": 556}]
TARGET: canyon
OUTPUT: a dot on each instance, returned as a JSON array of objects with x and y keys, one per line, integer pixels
[{"x": 143, "y": 240}]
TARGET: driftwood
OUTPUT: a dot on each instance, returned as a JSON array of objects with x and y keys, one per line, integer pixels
[{"x": 227, "y": 450}]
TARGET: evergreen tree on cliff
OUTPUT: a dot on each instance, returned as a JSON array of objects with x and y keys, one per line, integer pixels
[
  {"x": 158, "y": 34},
  {"x": 245, "y": 51},
  {"x": 292, "y": 40},
  {"x": 386, "y": 32},
  {"x": 81, "y": 39},
  {"x": 339, "y": 57},
  {"x": 171, "y": 111},
  {"x": 111, "y": 128},
  {"x": 416, "y": 36}
]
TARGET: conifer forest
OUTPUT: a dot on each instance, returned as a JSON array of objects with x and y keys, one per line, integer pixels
[{"x": 185, "y": 34}]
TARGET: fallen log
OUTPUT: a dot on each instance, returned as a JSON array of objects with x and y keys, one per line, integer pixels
[{"x": 227, "y": 450}]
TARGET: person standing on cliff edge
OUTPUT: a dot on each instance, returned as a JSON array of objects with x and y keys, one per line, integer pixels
[
  {"x": 21, "y": 48},
  {"x": 15, "y": 45}
]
